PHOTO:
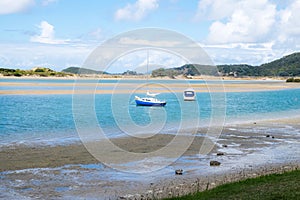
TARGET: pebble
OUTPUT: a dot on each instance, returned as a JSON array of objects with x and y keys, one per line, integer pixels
[
  {"x": 214, "y": 163},
  {"x": 178, "y": 172}
]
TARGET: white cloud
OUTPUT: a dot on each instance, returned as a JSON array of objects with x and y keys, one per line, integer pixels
[
  {"x": 154, "y": 43},
  {"x": 243, "y": 53},
  {"x": 248, "y": 21},
  {"x": 57, "y": 57},
  {"x": 289, "y": 24},
  {"x": 9, "y": 6},
  {"x": 137, "y": 61},
  {"x": 47, "y": 35},
  {"x": 252, "y": 32},
  {"x": 136, "y": 11},
  {"x": 214, "y": 10}
]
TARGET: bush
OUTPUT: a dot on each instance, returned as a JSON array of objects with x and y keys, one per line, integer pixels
[
  {"x": 43, "y": 74},
  {"x": 283, "y": 74},
  {"x": 39, "y": 70},
  {"x": 297, "y": 80},
  {"x": 18, "y": 74},
  {"x": 293, "y": 80}
]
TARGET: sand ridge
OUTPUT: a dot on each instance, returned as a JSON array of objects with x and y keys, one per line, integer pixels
[{"x": 125, "y": 88}]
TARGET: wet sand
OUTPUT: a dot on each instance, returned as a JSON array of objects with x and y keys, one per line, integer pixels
[
  {"x": 247, "y": 136},
  {"x": 23, "y": 157},
  {"x": 70, "y": 172}
]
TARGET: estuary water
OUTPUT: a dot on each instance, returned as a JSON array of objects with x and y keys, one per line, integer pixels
[
  {"x": 36, "y": 127},
  {"x": 48, "y": 118}
]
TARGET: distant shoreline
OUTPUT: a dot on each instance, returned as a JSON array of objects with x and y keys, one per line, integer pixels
[
  {"x": 59, "y": 88},
  {"x": 143, "y": 77}
]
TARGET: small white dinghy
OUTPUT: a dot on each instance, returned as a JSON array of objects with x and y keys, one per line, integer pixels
[{"x": 189, "y": 94}]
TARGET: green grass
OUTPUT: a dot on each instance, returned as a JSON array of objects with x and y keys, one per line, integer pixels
[{"x": 275, "y": 186}]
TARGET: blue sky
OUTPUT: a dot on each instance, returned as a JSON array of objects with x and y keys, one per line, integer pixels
[{"x": 62, "y": 33}]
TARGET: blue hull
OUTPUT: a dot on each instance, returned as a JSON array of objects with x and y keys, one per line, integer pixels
[{"x": 143, "y": 103}]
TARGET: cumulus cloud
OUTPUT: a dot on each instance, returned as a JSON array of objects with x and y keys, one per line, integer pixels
[
  {"x": 10, "y": 7},
  {"x": 252, "y": 32},
  {"x": 245, "y": 53},
  {"x": 289, "y": 24},
  {"x": 247, "y": 21},
  {"x": 47, "y": 35},
  {"x": 214, "y": 10},
  {"x": 136, "y": 11}
]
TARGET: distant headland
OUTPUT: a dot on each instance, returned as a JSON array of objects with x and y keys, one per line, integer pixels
[{"x": 285, "y": 67}]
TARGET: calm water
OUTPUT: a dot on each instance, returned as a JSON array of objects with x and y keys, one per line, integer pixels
[{"x": 48, "y": 119}]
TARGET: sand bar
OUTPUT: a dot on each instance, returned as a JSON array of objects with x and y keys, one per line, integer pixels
[{"x": 125, "y": 88}]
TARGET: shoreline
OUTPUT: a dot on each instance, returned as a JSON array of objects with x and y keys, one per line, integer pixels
[
  {"x": 248, "y": 153},
  {"x": 127, "y": 88},
  {"x": 143, "y": 77}
]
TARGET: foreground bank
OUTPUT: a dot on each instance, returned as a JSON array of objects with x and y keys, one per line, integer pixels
[{"x": 274, "y": 186}]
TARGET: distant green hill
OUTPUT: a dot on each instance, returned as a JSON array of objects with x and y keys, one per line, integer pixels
[
  {"x": 186, "y": 70},
  {"x": 79, "y": 70},
  {"x": 286, "y": 66}
]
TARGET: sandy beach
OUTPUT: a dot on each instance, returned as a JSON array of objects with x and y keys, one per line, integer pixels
[{"x": 117, "y": 88}]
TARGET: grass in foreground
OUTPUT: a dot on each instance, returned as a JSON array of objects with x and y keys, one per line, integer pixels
[{"x": 275, "y": 186}]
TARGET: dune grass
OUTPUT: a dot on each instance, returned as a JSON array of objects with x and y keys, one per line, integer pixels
[{"x": 275, "y": 186}]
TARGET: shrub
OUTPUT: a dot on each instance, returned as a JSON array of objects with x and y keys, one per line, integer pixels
[
  {"x": 43, "y": 74},
  {"x": 18, "y": 74},
  {"x": 294, "y": 80},
  {"x": 297, "y": 80},
  {"x": 39, "y": 70}
]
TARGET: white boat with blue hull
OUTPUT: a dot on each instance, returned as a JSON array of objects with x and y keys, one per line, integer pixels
[{"x": 149, "y": 100}]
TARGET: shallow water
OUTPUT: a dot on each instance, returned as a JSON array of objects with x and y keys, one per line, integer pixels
[{"x": 48, "y": 119}]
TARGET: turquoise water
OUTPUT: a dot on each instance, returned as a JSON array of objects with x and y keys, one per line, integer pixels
[{"x": 48, "y": 119}]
